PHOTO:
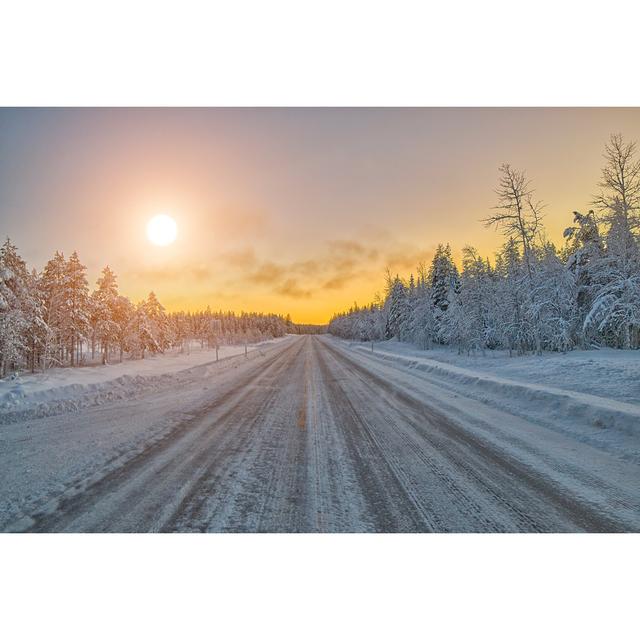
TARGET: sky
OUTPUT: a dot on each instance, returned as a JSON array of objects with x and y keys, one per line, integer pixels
[{"x": 294, "y": 211}]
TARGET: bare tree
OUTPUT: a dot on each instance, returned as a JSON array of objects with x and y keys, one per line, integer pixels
[
  {"x": 619, "y": 199},
  {"x": 617, "y": 302},
  {"x": 517, "y": 214},
  {"x": 519, "y": 218}
]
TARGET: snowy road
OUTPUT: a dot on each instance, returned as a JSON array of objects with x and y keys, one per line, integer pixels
[{"x": 308, "y": 436}]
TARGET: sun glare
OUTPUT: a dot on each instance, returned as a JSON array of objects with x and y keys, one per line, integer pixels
[{"x": 162, "y": 230}]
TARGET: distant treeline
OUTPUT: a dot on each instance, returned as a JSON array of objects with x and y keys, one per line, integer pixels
[
  {"x": 51, "y": 318},
  {"x": 313, "y": 329},
  {"x": 534, "y": 296}
]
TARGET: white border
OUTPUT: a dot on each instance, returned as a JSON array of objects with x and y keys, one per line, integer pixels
[
  {"x": 319, "y": 586},
  {"x": 333, "y": 52}
]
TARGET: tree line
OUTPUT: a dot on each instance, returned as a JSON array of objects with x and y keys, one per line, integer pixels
[
  {"x": 533, "y": 296},
  {"x": 52, "y": 319}
]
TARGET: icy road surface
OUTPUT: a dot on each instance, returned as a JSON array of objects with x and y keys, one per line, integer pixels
[{"x": 310, "y": 435}]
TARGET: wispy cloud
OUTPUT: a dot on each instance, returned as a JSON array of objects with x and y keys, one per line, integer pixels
[
  {"x": 292, "y": 289},
  {"x": 242, "y": 258},
  {"x": 268, "y": 273},
  {"x": 195, "y": 272},
  {"x": 335, "y": 266}
]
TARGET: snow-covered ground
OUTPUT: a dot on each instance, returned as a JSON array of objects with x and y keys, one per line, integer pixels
[
  {"x": 592, "y": 395},
  {"x": 609, "y": 373},
  {"x": 315, "y": 434},
  {"x": 67, "y": 389}
]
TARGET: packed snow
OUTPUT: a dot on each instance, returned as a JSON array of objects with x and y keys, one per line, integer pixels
[
  {"x": 64, "y": 389},
  {"x": 319, "y": 434},
  {"x": 609, "y": 373},
  {"x": 563, "y": 392}
]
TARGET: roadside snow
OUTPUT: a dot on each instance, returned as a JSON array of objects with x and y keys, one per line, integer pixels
[
  {"x": 608, "y": 373},
  {"x": 67, "y": 389},
  {"x": 578, "y": 392}
]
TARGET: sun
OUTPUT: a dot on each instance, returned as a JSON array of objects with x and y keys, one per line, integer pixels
[{"x": 162, "y": 230}]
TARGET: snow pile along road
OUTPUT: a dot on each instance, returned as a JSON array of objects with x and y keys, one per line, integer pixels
[
  {"x": 63, "y": 389},
  {"x": 525, "y": 391}
]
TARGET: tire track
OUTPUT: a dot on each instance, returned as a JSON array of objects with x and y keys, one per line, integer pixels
[
  {"x": 81, "y": 501},
  {"x": 250, "y": 491},
  {"x": 392, "y": 503},
  {"x": 308, "y": 438},
  {"x": 578, "y": 515}
]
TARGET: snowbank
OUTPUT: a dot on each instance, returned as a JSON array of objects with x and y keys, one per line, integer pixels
[
  {"x": 608, "y": 371},
  {"x": 65, "y": 389}
]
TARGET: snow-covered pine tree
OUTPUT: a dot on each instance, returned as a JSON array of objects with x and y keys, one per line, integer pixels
[
  {"x": 444, "y": 281},
  {"x": 159, "y": 324},
  {"x": 103, "y": 313},
  {"x": 377, "y": 320},
  {"x": 510, "y": 313},
  {"x": 397, "y": 309},
  {"x": 582, "y": 257},
  {"x": 53, "y": 284},
  {"x": 555, "y": 302},
  {"x": 454, "y": 326},
  {"x": 123, "y": 314},
  {"x": 475, "y": 300},
  {"x": 14, "y": 296},
  {"x": 443, "y": 277},
  {"x": 140, "y": 338},
  {"x": 76, "y": 311},
  {"x": 37, "y": 330},
  {"x": 422, "y": 321},
  {"x": 22, "y": 326},
  {"x": 148, "y": 327}
]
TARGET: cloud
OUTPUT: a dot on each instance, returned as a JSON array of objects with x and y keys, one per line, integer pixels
[
  {"x": 305, "y": 267},
  {"x": 195, "y": 272},
  {"x": 242, "y": 258},
  {"x": 408, "y": 258},
  {"x": 333, "y": 267},
  {"x": 338, "y": 281},
  {"x": 267, "y": 273},
  {"x": 352, "y": 248},
  {"x": 292, "y": 289}
]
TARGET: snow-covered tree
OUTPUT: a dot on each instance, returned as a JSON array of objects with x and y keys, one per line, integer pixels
[
  {"x": 76, "y": 310},
  {"x": 444, "y": 283},
  {"x": 53, "y": 282},
  {"x": 474, "y": 303},
  {"x": 123, "y": 315},
  {"x": 422, "y": 318},
  {"x": 533, "y": 298},
  {"x": 555, "y": 302},
  {"x": 148, "y": 327},
  {"x": 104, "y": 301},
  {"x": 397, "y": 309},
  {"x": 519, "y": 217},
  {"x": 37, "y": 329},
  {"x": 443, "y": 277},
  {"x": 582, "y": 256},
  {"x": 615, "y": 310},
  {"x": 619, "y": 198},
  {"x": 15, "y": 302}
]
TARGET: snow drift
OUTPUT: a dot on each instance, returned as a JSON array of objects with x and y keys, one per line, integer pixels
[
  {"x": 62, "y": 390},
  {"x": 556, "y": 403}
]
